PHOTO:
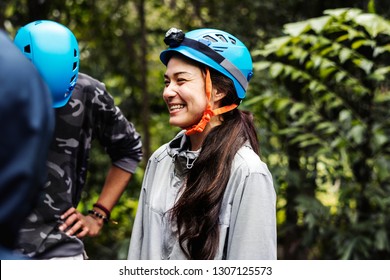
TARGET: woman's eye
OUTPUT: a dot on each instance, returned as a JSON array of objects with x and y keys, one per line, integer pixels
[
  {"x": 180, "y": 81},
  {"x": 166, "y": 83}
]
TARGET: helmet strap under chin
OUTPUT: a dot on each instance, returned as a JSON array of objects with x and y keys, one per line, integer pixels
[{"x": 208, "y": 113}]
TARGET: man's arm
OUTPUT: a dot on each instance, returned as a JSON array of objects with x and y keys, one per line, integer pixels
[{"x": 114, "y": 186}]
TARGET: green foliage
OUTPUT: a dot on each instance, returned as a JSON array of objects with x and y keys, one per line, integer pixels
[
  {"x": 312, "y": 116},
  {"x": 331, "y": 117}
]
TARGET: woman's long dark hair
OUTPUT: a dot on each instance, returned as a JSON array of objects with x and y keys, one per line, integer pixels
[{"x": 197, "y": 210}]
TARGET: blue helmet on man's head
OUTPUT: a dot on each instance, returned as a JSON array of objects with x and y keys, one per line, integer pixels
[
  {"x": 53, "y": 49},
  {"x": 216, "y": 49}
]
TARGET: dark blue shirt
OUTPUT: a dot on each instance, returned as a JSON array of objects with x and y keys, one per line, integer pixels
[{"x": 27, "y": 122}]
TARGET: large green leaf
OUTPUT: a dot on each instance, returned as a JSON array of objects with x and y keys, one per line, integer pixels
[
  {"x": 373, "y": 24},
  {"x": 335, "y": 70}
]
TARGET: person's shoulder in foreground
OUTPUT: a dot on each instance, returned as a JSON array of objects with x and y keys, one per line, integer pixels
[{"x": 27, "y": 127}]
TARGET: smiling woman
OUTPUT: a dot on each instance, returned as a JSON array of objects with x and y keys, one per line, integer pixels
[
  {"x": 206, "y": 194},
  {"x": 183, "y": 79}
]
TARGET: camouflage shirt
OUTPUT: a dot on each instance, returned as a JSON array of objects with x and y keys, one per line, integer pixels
[{"x": 89, "y": 114}]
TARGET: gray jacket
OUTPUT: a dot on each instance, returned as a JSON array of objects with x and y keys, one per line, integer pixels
[{"x": 248, "y": 212}]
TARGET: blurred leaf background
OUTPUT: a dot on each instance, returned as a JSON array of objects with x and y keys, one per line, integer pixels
[{"x": 320, "y": 96}]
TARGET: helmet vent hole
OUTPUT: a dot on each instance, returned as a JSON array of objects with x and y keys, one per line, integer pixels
[
  {"x": 219, "y": 49},
  {"x": 222, "y": 38},
  {"x": 27, "y": 49},
  {"x": 74, "y": 65},
  {"x": 209, "y": 38},
  {"x": 75, "y": 53},
  {"x": 71, "y": 79},
  {"x": 233, "y": 41}
]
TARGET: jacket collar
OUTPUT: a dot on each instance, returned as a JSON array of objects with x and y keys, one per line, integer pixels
[{"x": 178, "y": 150}]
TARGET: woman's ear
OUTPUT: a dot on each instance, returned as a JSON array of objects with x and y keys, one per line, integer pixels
[{"x": 218, "y": 95}]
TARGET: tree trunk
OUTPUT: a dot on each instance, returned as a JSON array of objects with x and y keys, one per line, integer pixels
[{"x": 144, "y": 87}]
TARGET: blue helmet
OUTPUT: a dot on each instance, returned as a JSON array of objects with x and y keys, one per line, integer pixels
[
  {"x": 216, "y": 49},
  {"x": 53, "y": 49}
]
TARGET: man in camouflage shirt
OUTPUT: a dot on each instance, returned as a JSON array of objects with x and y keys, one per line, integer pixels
[{"x": 89, "y": 114}]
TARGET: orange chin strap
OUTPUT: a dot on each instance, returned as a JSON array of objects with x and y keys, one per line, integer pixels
[{"x": 208, "y": 113}]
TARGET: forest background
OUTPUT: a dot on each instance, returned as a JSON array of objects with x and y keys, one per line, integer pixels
[{"x": 320, "y": 96}]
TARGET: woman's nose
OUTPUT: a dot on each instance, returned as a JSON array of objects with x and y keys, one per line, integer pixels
[{"x": 169, "y": 91}]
